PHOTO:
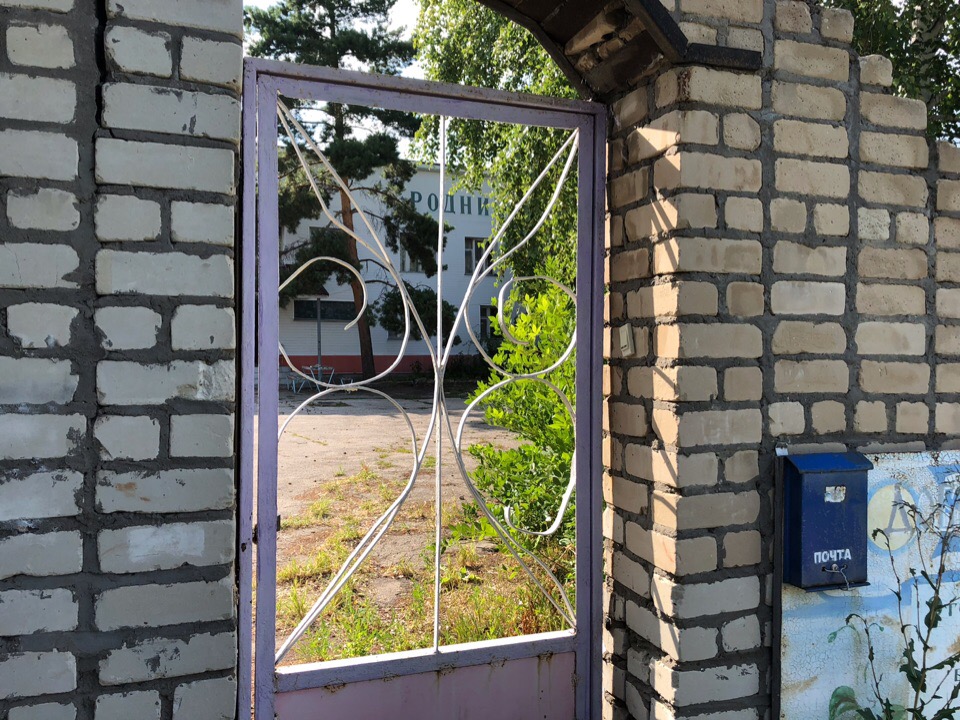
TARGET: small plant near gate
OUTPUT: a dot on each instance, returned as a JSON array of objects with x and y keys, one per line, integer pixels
[{"x": 933, "y": 691}]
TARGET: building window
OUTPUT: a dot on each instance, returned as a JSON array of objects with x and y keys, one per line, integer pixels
[
  {"x": 305, "y": 310},
  {"x": 408, "y": 264},
  {"x": 486, "y": 329},
  {"x": 472, "y": 253},
  {"x": 339, "y": 310}
]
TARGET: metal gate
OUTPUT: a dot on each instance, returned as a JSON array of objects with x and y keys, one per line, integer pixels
[{"x": 553, "y": 675}]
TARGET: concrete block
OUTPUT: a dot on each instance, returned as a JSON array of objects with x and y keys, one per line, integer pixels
[
  {"x": 48, "y": 494},
  {"x": 913, "y": 229},
  {"x": 158, "y": 605},
  {"x": 744, "y": 214},
  {"x": 793, "y": 17},
  {"x": 683, "y": 255},
  {"x": 137, "y": 51},
  {"x": 123, "y": 437},
  {"x": 890, "y": 189},
  {"x": 742, "y": 384},
  {"x": 828, "y": 416},
  {"x": 39, "y": 325},
  {"x": 166, "y": 491},
  {"x": 812, "y": 376},
  {"x": 742, "y": 548},
  {"x": 749, "y": 11},
  {"x": 798, "y": 338},
  {"x": 47, "y": 711},
  {"x": 631, "y": 109},
  {"x": 46, "y": 209},
  {"x": 208, "y": 699},
  {"x": 172, "y": 111},
  {"x": 224, "y": 16},
  {"x": 870, "y": 417},
  {"x": 837, "y": 24},
  {"x": 201, "y": 436},
  {"x": 128, "y": 328},
  {"x": 915, "y": 417},
  {"x": 23, "y": 612},
  {"x": 874, "y": 224},
  {"x": 947, "y": 232},
  {"x": 831, "y": 220},
  {"x": 36, "y": 381},
  {"x": 37, "y": 673},
  {"x": 893, "y": 111},
  {"x": 793, "y": 137},
  {"x": 896, "y": 378},
  {"x": 811, "y": 60},
  {"x": 37, "y": 99},
  {"x": 813, "y": 178},
  {"x": 59, "y": 6},
  {"x": 40, "y": 45},
  {"x": 34, "y": 437},
  {"x": 124, "y": 217},
  {"x": 694, "y": 600},
  {"x": 163, "y": 658},
  {"x": 29, "y": 265},
  {"x": 876, "y": 70},
  {"x": 788, "y": 216},
  {"x": 889, "y": 338},
  {"x": 202, "y": 223},
  {"x": 211, "y": 62},
  {"x": 796, "y": 297},
  {"x": 786, "y": 418},
  {"x": 896, "y": 264},
  {"x": 146, "y": 164},
  {"x": 741, "y": 634},
  {"x": 36, "y": 154},
  {"x": 56, "y": 553},
  {"x": 131, "y": 383},
  {"x": 909, "y": 151},
  {"x": 701, "y": 170},
  {"x": 795, "y": 259},
  {"x": 145, "y": 548},
  {"x": 168, "y": 273},
  {"x": 809, "y": 101},
  {"x": 142, "y": 705}
]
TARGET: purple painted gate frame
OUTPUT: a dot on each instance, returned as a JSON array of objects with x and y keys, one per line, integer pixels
[{"x": 263, "y": 81}]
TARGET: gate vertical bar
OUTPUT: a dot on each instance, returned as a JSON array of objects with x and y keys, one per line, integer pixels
[
  {"x": 589, "y": 409},
  {"x": 268, "y": 234},
  {"x": 248, "y": 344}
]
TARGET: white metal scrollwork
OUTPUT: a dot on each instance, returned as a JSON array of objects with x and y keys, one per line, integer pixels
[{"x": 440, "y": 421}]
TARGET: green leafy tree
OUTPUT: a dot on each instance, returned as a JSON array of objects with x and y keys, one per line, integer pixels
[
  {"x": 922, "y": 38},
  {"x": 360, "y": 142},
  {"x": 459, "y": 41}
]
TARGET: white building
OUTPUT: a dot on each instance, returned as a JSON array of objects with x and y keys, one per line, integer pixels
[{"x": 309, "y": 342}]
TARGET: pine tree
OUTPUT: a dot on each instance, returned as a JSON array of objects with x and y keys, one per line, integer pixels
[{"x": 359, "y": 142}]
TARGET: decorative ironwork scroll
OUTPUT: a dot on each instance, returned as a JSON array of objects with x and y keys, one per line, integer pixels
[{"x": 441, "y": 425}]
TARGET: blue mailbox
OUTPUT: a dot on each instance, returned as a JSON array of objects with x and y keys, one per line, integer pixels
[{"x": 825, "y": 520}]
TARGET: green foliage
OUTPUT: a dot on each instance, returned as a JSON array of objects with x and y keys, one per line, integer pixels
[
  {"x": 922, "y": 38},
  {"x": 459, "y": 41},
  {"x": 389, "y": 311},
  {"x": 531, "y": 478}
]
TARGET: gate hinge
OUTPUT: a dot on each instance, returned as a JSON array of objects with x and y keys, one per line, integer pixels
[{"x": 256, "y": 529}]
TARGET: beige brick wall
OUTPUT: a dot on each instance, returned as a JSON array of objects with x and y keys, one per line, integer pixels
[{"x": 803, "y": 289}]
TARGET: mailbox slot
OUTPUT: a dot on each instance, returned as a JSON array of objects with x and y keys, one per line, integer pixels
[{"x": 825, "y": 520}]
